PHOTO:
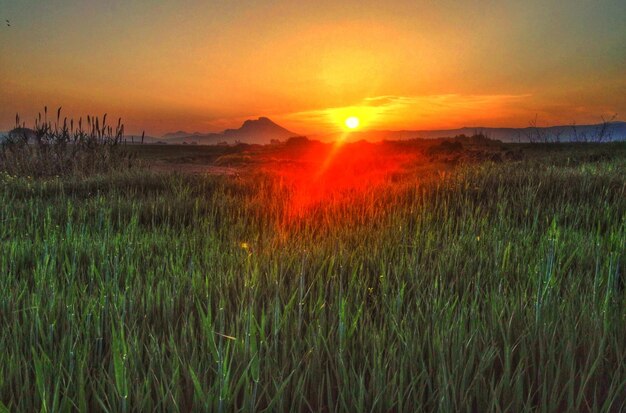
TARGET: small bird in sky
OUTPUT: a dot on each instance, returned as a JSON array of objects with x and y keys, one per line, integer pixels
[{"x": 8, "y": 23}]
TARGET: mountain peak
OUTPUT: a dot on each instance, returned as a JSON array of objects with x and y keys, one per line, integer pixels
[
  {"x": 262, "y": 120},
  {"x": 260, "y": 130}
]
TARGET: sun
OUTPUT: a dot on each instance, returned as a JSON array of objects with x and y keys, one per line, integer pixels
[{"x": 352, "y": 122}]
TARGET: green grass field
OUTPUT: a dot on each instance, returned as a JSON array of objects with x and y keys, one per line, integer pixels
[{"x": 483, "y": 287}]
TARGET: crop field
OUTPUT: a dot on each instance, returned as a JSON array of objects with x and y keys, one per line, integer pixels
[{"x": 303, "y": 277}]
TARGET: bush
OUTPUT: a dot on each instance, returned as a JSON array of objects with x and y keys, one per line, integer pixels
[
  {"x": 63, "y": 148},
  {"x": 445, "y": 147}
]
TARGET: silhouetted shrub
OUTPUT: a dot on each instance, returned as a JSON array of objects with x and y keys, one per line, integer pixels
[
  {"x": 445, "y": 147},
  {"x": 298, "y": 141}
]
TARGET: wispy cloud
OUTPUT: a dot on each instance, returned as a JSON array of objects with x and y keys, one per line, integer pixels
[{"x": 425, "y": 111}]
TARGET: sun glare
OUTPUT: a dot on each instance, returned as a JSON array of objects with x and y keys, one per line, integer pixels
[{"x": 352, "y": 122}]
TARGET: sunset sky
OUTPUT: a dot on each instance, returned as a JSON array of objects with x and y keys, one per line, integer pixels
[{"x": 209, "y": 65}]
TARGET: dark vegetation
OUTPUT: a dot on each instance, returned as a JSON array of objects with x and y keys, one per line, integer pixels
[
  {"x": 61, "y": 147},
  {"x": 440, "y": 153}
]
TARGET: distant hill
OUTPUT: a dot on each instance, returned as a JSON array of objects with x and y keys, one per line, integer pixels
[
  {"x": 565, "y": 133},
  {"x": 22, "y": 132},
  {"x": 179, "y": 134},
  {"x": 261, "y": 130}
]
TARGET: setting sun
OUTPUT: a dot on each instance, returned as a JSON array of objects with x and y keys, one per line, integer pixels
[{"x": 352, "y": 122}]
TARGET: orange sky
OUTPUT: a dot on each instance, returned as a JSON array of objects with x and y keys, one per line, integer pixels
[{"x": 205, "y": 66}]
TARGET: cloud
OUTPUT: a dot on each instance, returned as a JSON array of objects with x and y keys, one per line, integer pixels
[{"x": 423, "y": 111}]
